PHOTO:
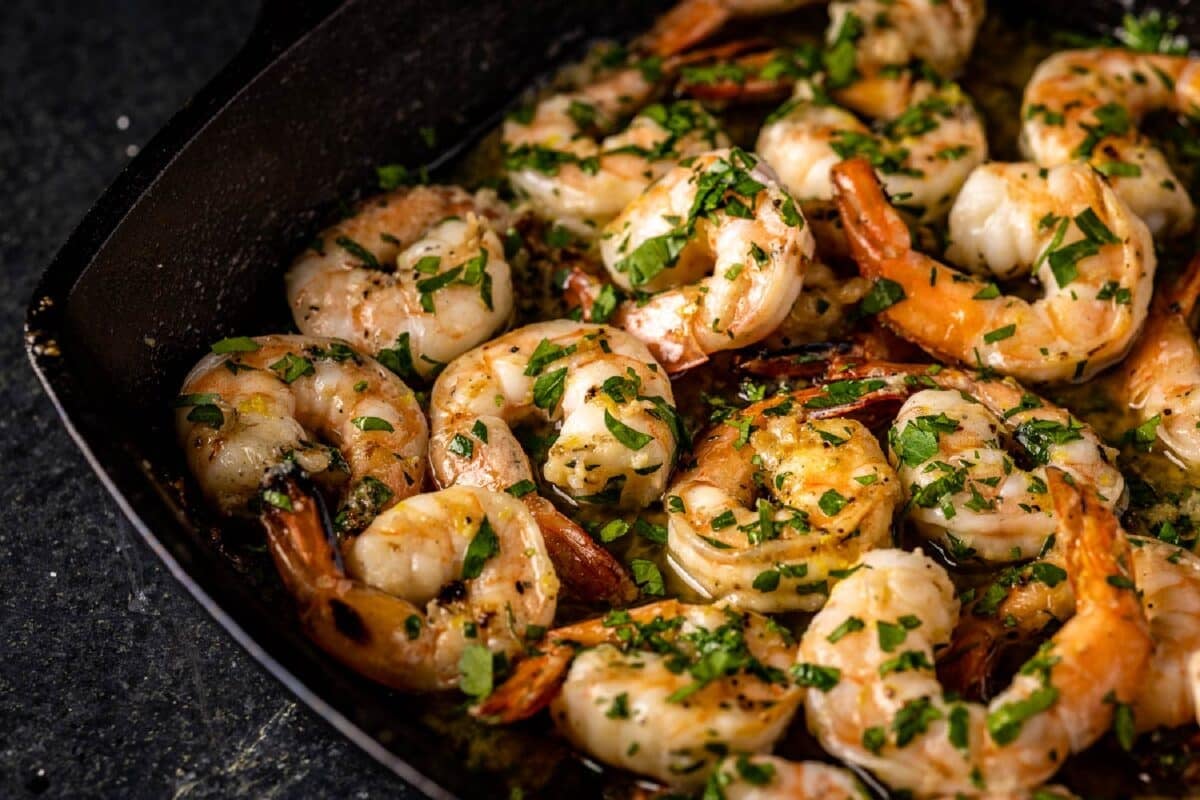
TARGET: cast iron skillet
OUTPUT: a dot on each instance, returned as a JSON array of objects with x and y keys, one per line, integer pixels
[{"x": 188, "y": 245}]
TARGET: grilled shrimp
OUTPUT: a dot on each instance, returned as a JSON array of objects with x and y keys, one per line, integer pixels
[
  {"x": 1086, "y": 105},
  {"x": 825, "y": 495},
  {"x": 571, "y": 177},
  {"x": 435, "y": 576},
  {"x": 950, "y": 447},
  {"x": 661, "y": 690},
  {"x": 1160, "y": 380},
  {"x": 1026, "y": 602},
  {"x": 922, "y": 154},
  {"x": 873, "y": 699},
  {"x": 254, "y": 403},
  {"x": 617, "y": 432},
  {"x": 414, "y": 277},
  {"x": 723, "y": 247},
  {"x": 1093, "y": 258},
  {"x": 746, "y": 777}
]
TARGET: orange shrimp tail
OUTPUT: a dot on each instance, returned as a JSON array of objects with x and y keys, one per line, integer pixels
[
  {"x": 1099, "y": 567},
  {"x": 299, "y": 536},
  {"x": 967, "y": 664},
  {"x": 876, "y": 231},
  {"x": 589, "y": 572},
  {"x": 581, "y": 289},
  {"x": 532, "y": 685},
  {"x": 688, "y": 23},
  {"x": 874, "y": 345}
]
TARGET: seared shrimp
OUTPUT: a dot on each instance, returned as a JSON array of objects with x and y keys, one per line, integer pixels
[
  {"x": 661, "y": 690},
  {"x": 414, "y": 277},
  {"x": 723, "y": 247},
  {"x": 749, "y": 777},
  {"x": 874, "y": 700},
  {"x": 690, "y": 22},
  {"x": 922, "y": 155},
  {"x": 1160, "y": 380},
  {"x": 950, "y": 447},
  {"x": 825, "y": 495},
  {"x": 572, "y": 178},
  {"x": 434, "y": 577},
  {"x": 617, "y": 433},
  {"x": 1026, "y": 602},
  {"x": 1086, "y": 105},
  {"x": 889, "y": 33},
  {"x": 1093, "y": 258},
  {"x": 254, "y": 403}
]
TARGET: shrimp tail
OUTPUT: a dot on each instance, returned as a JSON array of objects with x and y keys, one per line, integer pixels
[
  {"x": 686, "y": 24},
  {"x": 590, "y": 572},
  {"x": 530, "y": 688},
  {"x": 878, "y": 233},
  {"x": 300, "y": 533},
  {"x": 967, "y": 664},
  {"x": 751, "y": 87},
  {"x": 1100, "y": 569},
  {"x": 580, "y": 290}
]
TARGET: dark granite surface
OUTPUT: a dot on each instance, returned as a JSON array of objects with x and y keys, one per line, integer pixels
[{"x": 113, "y": 681}]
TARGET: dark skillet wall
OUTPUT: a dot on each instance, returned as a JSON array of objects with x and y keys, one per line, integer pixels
[{"x": 113, "y": 682}]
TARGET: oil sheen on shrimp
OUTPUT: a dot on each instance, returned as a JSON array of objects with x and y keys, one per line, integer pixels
[
  {"x": 1160, "y": 380},
  {"x": 571, "y": 177},
  {"x": 1085, "y": 105},
  {"x": 255, "y": 403},
  {"x": 784, "y": 497},
  {"x": 414, "y": 277},
  {"x": 431, "y": 579},
  {"x": 1093, "y": 258},
  {"x": 953, "y": 449},
  {"x": 721, "y": 247},
  {"x": 874, "y": 701}
]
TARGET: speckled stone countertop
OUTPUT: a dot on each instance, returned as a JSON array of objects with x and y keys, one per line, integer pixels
[{"x": 113, "y": 681}]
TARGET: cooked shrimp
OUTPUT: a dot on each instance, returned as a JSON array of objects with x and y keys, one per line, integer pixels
[
  {"x": 431, "y": 578},
  {"x": 724, "y": 248},
  {"x": 1168, "y": 583},
  {"x": 1160, "y": 380},
  {"x": 661, "y": 690},
  {"x": 922, "y": 154},
  {"x": 690, "y": 22},
  {"x": 415, "y": 277},
  {"x": 889, "y": 33},
  {"x": 825, "y": 495},
  {"x": 951, "y": 448},
  {"x": 1094, "y": 260},
  {"x": 254, "y": 403},
  {"x": 571, "y": 177},
  {"x": 772, "y": 778},
  {"x": 617, "y": 433},
  {"x": 1086, "y": 105},
  {"x": 874, "y": 700}
]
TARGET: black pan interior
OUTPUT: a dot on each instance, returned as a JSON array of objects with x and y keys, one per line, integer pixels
[{"x": 190, "y": 244}]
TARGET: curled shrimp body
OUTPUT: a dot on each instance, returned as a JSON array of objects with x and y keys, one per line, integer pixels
[
  {"x": 951, "y": 448},
  {"x": 433, "y": 576},
  {"x": 829, "y": 497},
  {"x": 1086, "y": 105},
  {"x": 340, "y": 416},
  {"x": 874, "y": 700},
  {"x": 416, "y": 277},
  {"x": 724, "y": 250},
  {"x": 922, "y": 154},
  {"x": 682, "y": 682},
  {"x": 1093, "y": 258},
  {"x": 1160, "y": 380},
  {"x": 577, "y": 180},
  {"x": 938, "y": 33},
  {"x": 773, "y": 778},
  {"x": 616, "y": 431}
]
